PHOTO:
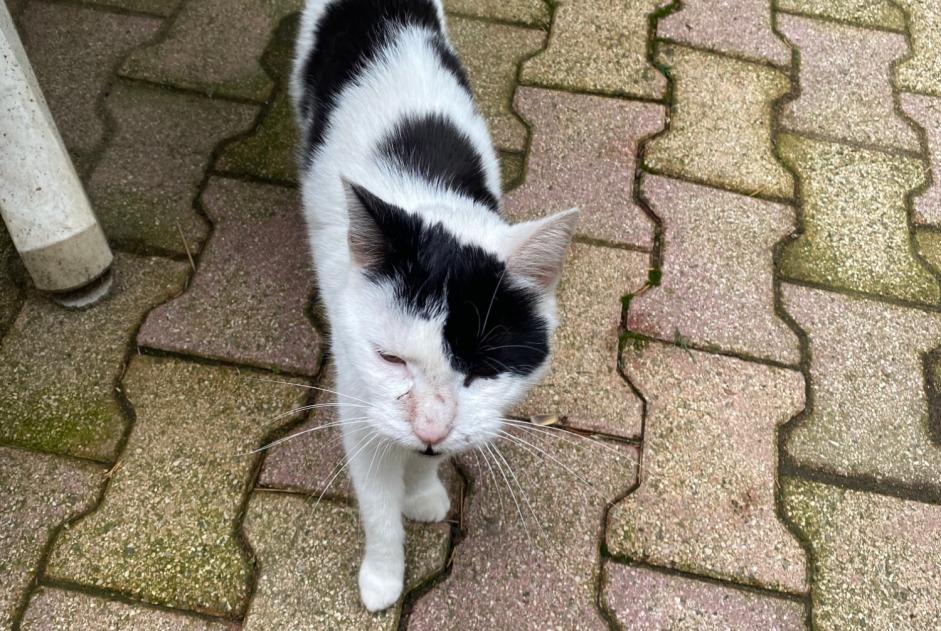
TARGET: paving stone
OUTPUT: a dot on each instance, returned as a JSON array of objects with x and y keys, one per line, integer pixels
[
  {"x": 38, "y": 493},
  {"x": 531, "y": 12},
  {"x": 164, "y": 531},
  {"x": 926, "y": 112},
  {"x": 599, "y": 46},
  {"x": 874, "y": 13},
  {"x": 492, "y": 54},
  {"x": 642, "y": 598},
  {"x": 155, "y": 7},
  {"x": 870, "y": 411},
  {"x": 728, "y": 26},
  {"x": 73, "y": 51},
  {"x": 11, "y": 297},
  {"x": 845, "y": 83},
  {"x": 144, "y": 186},
  {"x": 922, "y": 71},
  {"x": 214, "y": 46},
  {"x": 247, "y": 302},
  {"x": 877, "y": 558},
  {"x": 308, "y": 564},
  {"x": 582, "y": 154},
  {"x": 706, "y": 500},
  {"x": 270, "y": 151},
  {"x": 58, "y": 367},
  {"x": 717, "y": 289},
  {"x": 720, "y": 124},
  {"x": 855, "y": 220},
  {"x": 541, "y": 573},
  {"x": 929, "y": 246},
  {"x": 584, "y": 384},
  {"x": 51, "y": 609},
  {"x": 511, "y": 169}
]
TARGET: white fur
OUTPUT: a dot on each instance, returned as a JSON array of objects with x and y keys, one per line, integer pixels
[{"x": 389, "y": 476}]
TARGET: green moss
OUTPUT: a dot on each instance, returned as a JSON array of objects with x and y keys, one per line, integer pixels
[
  {"x": 511, "y": 169},
  {"x": 270, "y": 152}
]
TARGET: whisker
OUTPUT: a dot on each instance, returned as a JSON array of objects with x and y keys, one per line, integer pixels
[
  {"x": 304, "y": 385},
  {"x": 510, "y": 488},
  {"x": 565, "y": 434},
  {"x": 529, "y": 446},
  {"x": 493, "y": 476},
  {"x": 492, "y": 298},
  {"x": 351, "y": 421}
]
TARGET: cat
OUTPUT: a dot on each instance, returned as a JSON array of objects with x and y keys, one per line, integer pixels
[{"x": 440, "y": 311}]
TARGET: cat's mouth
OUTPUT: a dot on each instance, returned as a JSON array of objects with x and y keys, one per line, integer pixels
[{"x": 428, "y": 451}]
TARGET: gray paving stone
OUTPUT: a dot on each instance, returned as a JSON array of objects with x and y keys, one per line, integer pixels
[
  {"x": 165, "y": 531},
  {"x": 59, "y": 368}
]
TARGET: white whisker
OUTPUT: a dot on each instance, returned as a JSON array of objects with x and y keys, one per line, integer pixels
[{"x": 352, "y": 421}]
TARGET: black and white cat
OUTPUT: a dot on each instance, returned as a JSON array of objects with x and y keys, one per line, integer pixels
[{"x": 440, "y": 311}]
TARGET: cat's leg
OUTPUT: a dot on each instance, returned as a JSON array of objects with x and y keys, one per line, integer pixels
[
  {"x": 426, "y": 499},
  {"x": 378, "y": 481}
]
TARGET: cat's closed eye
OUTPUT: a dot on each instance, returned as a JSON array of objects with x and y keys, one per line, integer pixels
[{"x": 392, "y": 359}]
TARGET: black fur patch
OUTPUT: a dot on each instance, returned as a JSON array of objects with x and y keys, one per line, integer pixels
[
  {"x": 451, "y": 63},
  {"x": 433, "y": 148},
  {"x": 491, "y": 326},
  {"x": 349, "y": 35}
]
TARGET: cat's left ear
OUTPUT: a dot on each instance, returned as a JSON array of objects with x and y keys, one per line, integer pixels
[{"x": 537, "y": 248}]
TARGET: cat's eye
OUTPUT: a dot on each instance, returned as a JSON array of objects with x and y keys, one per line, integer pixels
[{"x": 392, "y": 359}]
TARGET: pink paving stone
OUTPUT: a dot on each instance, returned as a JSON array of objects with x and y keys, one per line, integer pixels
[
  {"x": 247, "y": 302},
  {"x": 583, "y": 155},
  {"x": 706, "y": 500},
  {"x": 739, "y": 27},
  {"x": 870, "y": 416},
  {"x": 647, "y": 600},
  {"x": 73, "y": 51},
  {"x": 583, "y": 384},
  {"x": 717, "y": 290},
  {"x": 37, "y": 494},
  {"x": 543, "y": 573},
  {"x": 926, "y": 111},
  {"x": 846, "y": 83}
]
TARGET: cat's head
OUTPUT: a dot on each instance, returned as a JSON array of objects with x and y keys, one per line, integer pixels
[{"x": 445, "y": 332}]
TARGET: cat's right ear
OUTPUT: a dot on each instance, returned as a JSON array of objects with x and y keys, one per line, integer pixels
[{"x": 367, "y": 242}]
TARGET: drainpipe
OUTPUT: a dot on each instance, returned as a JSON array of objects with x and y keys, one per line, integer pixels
[{"x": 42, "y": 201}]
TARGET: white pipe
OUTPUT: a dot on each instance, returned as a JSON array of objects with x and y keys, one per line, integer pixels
[{"x": 41, "y": 198}]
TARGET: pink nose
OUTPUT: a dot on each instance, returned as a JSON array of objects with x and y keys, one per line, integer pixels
[{"x": 431, "y": 434}]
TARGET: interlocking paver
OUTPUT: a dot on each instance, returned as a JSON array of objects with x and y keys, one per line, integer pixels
[
  {"x": 720, "y": 123},
  {"x": 926, "y": 112},
  {"x": 247, "y": 302},
  {"x": 845, "y": 83},
  {"x": 641, "y": 598},
  {"x": 214, "y": 46},
  {"x": 164, "y": 532},
  {"x": 11, "y": 298},
  {"x": 307, "y": 578},
  {"x": 855, "y": 221},
  {"x": 38, "y": 493},
  {"x": 543, "y": 574},
  {"x": 582, "y": 154},
  {"x": 531, "y": 12},
  {"x": 717, "y": 286},
  {"x": 270, "y": 151},
  {"x": 929, "y": 246},
  {"x": 870, "y": 414},
  {"x": 51, "y": 609},
  {"x": 155, "y": 7},
  {"x": 874, "y": 13},
  {"x": 922, "y": 72},
  {"x": 144, "y": 186},
  {"x": 599, "y": 46},
  {"x": 736, "y": 27},
  {"x": 492, "y": 53},
  {"x": 583, "y": 383},
  {"x": 877, "y": 558},
  {"x": 705, "y": 504},
  {"x": 73, "y": 51},
  {"x": 58, "y": 367}
]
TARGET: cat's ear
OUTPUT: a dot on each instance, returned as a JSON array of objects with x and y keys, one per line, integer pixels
[
  {"x": 538, "y": 248},
  {"x": 367, "y": 242}
]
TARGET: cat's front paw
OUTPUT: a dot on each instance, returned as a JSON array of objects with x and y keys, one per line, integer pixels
[
  {"x": 427, "y": 504},
  {"x": 380, "y": 585}
]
